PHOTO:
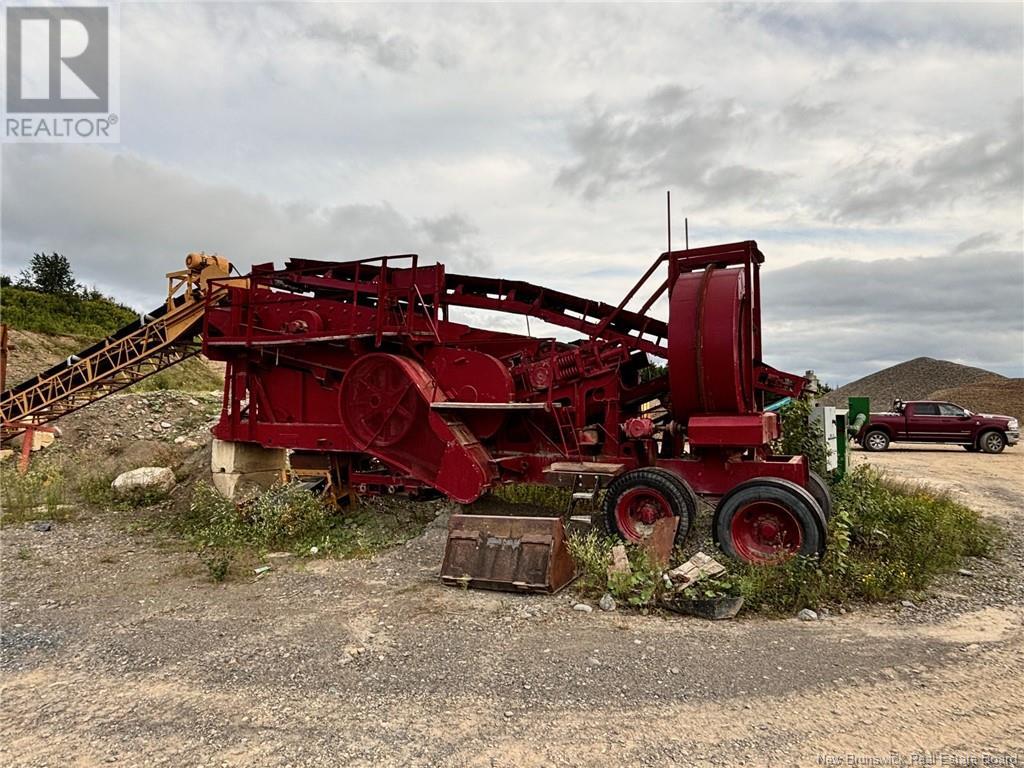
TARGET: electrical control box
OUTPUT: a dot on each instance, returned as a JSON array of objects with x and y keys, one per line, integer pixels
[{"x": 825, "y": 417}]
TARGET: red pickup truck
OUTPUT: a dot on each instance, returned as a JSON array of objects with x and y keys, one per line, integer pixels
[{"x": 929, "y": 421}]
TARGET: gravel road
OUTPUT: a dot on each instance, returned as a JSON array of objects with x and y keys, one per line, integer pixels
[{"x": 116, "y": 649}]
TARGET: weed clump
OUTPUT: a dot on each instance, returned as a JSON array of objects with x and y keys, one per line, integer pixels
[
  {"x": 283, "y": 517},
  {"x": 38, "y": 494},
  {"x": 97, "y": 491},
  {"x": 886, "y": 540},
  {"x": 534, "y": 494},
  {"x": 288, "y": 518},
  {"x": 592, "y": 552},
  {"x": 639, "y": 588}
]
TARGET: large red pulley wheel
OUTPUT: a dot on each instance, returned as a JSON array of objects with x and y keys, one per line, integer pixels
[
  {"x": 379, "y": 400},
  {"x": 637, "y": 499},
  {"x": 769, "y": 519}
]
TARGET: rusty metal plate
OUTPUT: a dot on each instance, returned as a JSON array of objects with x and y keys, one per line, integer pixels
[
  {"x": 661, "y": 540},
  {"x": 515, "y": 554}
]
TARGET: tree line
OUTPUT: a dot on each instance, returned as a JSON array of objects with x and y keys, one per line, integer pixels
[{"x": 50, "y": 273}]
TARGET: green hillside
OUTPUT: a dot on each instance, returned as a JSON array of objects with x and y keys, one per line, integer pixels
[{"x": 62, "y": 315}]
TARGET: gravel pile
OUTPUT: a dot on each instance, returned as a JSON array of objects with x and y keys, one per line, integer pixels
[
  {"x": 32, "y": 352},
  {"x": 915, "y": 379},
  {"x": 999, "y": 396}
]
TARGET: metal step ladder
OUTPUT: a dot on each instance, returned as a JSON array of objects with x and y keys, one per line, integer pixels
[{"x": 597, "y": 473}]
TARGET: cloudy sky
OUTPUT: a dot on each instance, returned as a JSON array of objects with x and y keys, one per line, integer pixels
[{"x": 874, "y": 152}]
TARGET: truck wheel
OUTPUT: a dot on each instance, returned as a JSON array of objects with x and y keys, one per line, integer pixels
[
  {"x": 818, "y": 488},
  {"x": 992, "y": 442},
  {"x": 876, "y": 440},
  {"x": 769, "y": 519},
  {"x": 686, "y": 524},
  {"x": 635, "y": 500}
]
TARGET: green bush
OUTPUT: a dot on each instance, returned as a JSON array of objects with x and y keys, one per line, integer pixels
[
  {"x": 801, "y": 437},
  {"x": 886, "y": 539},
  {"x": 283, "y": 517},
  {"x": 724, "y": 585},
  {"x": 642, "y": 586}
]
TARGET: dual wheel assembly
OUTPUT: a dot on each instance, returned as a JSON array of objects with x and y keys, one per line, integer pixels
[{"x": 763, "y": 520}]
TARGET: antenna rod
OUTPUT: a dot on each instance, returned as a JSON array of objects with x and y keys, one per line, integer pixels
[
  {"x": 686, "y": 229},
  {"x": 668, "y": 216}
]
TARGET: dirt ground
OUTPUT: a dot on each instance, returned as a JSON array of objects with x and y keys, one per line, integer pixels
[{"x": 117, "y": 649}]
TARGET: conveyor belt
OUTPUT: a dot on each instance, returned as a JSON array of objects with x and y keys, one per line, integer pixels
[
  {"x": 635, "y": 330},
  {"x": 152, "y": 343}
]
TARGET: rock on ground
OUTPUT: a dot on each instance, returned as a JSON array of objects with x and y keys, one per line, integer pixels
[{"x": 144, "y": 479}]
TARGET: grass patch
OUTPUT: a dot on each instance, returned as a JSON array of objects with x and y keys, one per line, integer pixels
[
  {"x": 886, "y": 540},
  {"x": 287, "y": 518},
  {"x": 192, "y": 375},
  {"x": 54, "y": 486},
  {"x": 39, "y": 494},
  {"x": 95, "y": 490},
  {"x": 534, "y": 494}
]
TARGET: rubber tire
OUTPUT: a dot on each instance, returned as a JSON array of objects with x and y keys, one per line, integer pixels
[
  {"x": 818, "y": 488},
  {"x": 691, "y": 501},
  {"x": 812, "y": 518},
  {"x": 985, "y": 437},
  {"x": 680, "y": 497},
  {"x": 867, "y": 440}
]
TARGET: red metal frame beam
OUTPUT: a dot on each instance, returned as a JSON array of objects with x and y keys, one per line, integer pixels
[{"x": 596, "y": 319}]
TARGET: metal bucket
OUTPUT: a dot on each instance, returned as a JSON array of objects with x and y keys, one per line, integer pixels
[{"x": 514, "y": 554}]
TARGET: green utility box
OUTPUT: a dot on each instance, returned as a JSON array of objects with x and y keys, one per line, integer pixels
[{"x": 848, "y": 425}]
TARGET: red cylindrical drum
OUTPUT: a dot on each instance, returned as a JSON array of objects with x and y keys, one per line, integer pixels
[{"x": 709, "y": 362}]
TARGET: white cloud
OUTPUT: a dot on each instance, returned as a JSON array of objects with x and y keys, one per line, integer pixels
[
  {"x": 124, "y": 221},
  {"x": 864, "y": 132}
]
